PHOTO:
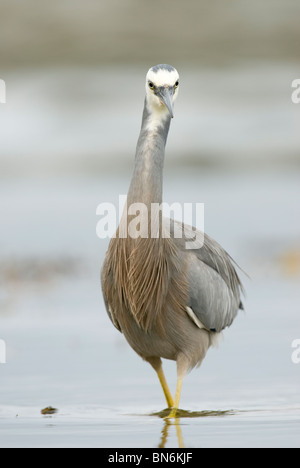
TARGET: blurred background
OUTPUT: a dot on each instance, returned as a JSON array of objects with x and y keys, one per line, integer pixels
[
  {"x": 75, "y": 81},
  {"x": 74, "y": 74}
]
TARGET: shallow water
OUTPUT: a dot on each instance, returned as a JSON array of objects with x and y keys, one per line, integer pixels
[
  {"x": 100, "y": 428},
  {"x": 63, "y": 351}
]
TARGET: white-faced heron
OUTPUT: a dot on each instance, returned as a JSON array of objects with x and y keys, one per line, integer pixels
[{"x": 169, "y": 302}]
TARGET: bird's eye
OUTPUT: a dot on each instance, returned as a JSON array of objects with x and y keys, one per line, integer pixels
[
  {"x": 151, "y": 85},
  {"x": 176, "y": 84}
]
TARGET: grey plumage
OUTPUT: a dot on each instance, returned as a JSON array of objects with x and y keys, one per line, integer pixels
[
  {"x": 168, "y": 301},
  {"x": 162, "y": 66},
  {"x": 214, "y": 286}
]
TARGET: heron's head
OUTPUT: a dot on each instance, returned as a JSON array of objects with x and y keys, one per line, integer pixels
[{"x": 162, "y": 83}]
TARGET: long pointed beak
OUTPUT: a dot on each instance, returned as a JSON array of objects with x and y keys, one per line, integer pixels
[{"x": 165, "y": 95}]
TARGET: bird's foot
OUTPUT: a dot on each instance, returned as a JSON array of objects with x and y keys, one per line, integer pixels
[{"x": 173, "y": 413}]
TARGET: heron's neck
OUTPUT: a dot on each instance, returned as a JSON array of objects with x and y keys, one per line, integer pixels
[{"x": 147, "y": 180}]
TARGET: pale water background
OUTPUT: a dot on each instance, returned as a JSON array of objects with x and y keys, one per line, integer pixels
[
  {"x": 63, "y": 351},
  {"x": 75, "y": 90}
]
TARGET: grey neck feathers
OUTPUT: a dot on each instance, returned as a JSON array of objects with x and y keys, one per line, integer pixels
[{"x": 146, "y": 183}]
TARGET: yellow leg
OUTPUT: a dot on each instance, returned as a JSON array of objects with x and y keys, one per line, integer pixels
[
  {"x": 179, "y": 433},
  {"x": 177, "y": 398},
  {"x": 165, "y": 433},
  {"x": 165, "y": 387}
]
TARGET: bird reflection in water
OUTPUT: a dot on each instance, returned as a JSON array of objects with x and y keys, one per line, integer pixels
[
  {"x": 181, "y": 414},
  {"x": 165, "y": 432}
]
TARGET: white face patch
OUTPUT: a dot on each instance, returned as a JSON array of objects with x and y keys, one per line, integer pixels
[
  {"x": 162, "y": 77},
  {"x": 159, "y": 77}
]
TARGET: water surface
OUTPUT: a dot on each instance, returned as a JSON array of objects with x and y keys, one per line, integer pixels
[{"x": 63, "y": 351}]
